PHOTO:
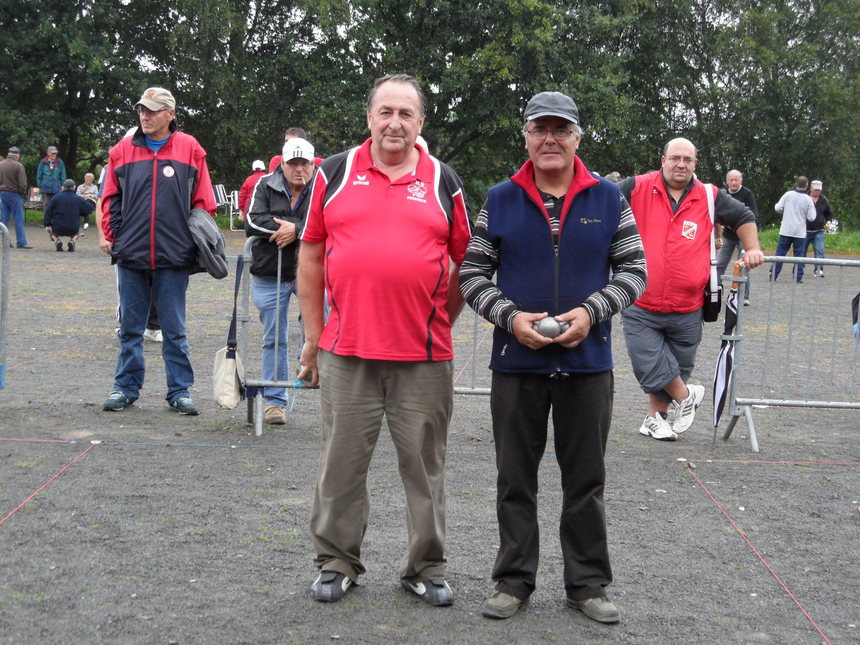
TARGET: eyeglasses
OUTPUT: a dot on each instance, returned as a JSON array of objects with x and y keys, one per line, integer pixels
[
  {"x": 141, "y": 110},
  {"x": 676, "y": 159},
  {"x": 539, "y": 132}
]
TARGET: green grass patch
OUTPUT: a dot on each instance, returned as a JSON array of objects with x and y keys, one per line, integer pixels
[
  {"x": 37, "y": 217},
  {"x": 842, "y": 243}
]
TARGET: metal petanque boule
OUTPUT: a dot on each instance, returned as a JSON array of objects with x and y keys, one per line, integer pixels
[{"x": 550, "y": 327}]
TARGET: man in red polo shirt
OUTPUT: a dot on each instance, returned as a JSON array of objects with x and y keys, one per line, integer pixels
[{"x": 387, "y": 229}]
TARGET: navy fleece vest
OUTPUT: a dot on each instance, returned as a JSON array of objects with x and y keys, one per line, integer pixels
[{"x": 529, "y": 275}]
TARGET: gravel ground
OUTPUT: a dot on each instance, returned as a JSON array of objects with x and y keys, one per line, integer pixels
[{"x": 148, "y": 527}]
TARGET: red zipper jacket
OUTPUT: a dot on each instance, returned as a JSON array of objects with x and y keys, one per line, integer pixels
[{"x": 147, "y": 198}]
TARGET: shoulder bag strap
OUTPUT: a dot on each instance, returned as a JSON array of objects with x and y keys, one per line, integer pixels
[
  {"x": 231, "y": 335},
  {"x": 715, "y": 279}
]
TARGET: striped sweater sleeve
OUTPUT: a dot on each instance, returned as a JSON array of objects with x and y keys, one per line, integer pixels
[
  {"x": 627, "y": 258},
  {"x": 476, "y": 272}
]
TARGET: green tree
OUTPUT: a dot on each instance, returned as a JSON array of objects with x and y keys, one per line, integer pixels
[{"x": 65, "y": 75}]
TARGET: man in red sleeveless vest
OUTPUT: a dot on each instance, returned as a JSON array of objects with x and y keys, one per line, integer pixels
[{"x": 663, "y": 328}]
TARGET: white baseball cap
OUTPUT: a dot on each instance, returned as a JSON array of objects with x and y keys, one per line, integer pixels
[
  {"x": 298, "y": 148},
  {"x": 258, "y": 165}
]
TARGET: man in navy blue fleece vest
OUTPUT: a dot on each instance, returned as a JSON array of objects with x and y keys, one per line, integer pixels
[{"x": 553, "y": 235}]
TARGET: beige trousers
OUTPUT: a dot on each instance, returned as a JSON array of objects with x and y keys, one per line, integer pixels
[{"x": 416, "y": 399}]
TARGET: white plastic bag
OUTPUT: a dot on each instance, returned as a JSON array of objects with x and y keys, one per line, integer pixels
[{"x": 228, "y": 379}]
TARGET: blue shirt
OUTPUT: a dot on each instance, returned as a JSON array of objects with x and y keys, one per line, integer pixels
[{"x": 153, "y": 145}]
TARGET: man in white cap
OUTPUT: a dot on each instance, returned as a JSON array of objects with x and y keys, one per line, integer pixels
[
  {"x": 153, "y": 178},
  {"x": 291, "y": 133},
  {"x": 13, "y": 187},
  {"x": 258, "y": 169},
  {"x": 553, "y": 235},
  {"x": 815, "y": 229},
  {"x": 275, "y": 213}
]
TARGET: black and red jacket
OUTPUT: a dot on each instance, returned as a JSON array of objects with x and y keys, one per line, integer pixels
[{"x": 148, "y": 196}]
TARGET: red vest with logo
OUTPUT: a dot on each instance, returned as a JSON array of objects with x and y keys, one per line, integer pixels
[{"x": 677, "y": 245}]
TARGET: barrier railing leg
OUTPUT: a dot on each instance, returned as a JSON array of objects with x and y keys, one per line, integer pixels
[
  {"x": 728, "y": 432},
  {"x": 258, "y": 414},
  {"x": 751, "y": 428},
  {"x": 747, "y": 412}
]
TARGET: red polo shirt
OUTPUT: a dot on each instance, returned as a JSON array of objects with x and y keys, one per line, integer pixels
[{"x": 387, "y": 250}]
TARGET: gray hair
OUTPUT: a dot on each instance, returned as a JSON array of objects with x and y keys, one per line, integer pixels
[{"x": 398, "y": 78}]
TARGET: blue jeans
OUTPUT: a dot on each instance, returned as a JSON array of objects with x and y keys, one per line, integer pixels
[
  {"x": 782, "y": 247},
  {"x": 273, "y": 313},
  {"x": 166, "y": 287},
  {"x": 816, "y": 238},
  {"x": 12, "y": 205}
]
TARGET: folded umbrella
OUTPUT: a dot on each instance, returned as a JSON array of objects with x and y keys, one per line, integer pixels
[{"x": 724, "y": 370}]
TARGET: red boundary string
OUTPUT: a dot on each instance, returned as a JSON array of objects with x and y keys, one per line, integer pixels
[
  {"x": 756, "y": 551},
  {"x": 471, "y": 356},
  {"x": 45, "y": 485},
  {"x": 784, "y": 463}
]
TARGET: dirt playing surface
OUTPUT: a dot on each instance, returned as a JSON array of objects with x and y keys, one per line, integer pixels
[{"x": 148, "y": 527}]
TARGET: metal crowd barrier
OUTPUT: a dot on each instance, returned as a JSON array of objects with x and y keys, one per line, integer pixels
[
  {"x": 471, "y": 374},
  {"x": 250, "y": 335},
  {"x": 5, "y": 247},
  {"x": 794, "y": 345}
]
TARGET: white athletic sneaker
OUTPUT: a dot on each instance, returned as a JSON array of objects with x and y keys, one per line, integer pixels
[
  {"x": 154, "y": 335},
  {"x": 658, "y": 428},
  {"x": 681, "y": 414}
]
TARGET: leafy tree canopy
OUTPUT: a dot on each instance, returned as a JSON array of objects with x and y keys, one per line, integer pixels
[{"x": 766, "y": 86}]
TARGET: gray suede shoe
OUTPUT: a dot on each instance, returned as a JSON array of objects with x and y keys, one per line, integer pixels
[
  {"x": 501, "y": 605},
  {"x": 600, "y": 609}
]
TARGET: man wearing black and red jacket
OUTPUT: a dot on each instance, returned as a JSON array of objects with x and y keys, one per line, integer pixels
[{"x": 154, "y": 179}]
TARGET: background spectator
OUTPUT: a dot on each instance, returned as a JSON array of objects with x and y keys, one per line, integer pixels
[{"x": 50, "y": 175}]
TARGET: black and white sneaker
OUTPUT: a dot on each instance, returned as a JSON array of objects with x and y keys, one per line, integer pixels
[
  {"x": 330, "y": 586},
  {"x": 434, "y": 592}
]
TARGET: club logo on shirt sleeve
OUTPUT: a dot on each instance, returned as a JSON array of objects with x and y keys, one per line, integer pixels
[
  {"x": 360, "y": 180},
  {"x": 689, "y": 229},
  {"x": 417, "y": 189}
]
